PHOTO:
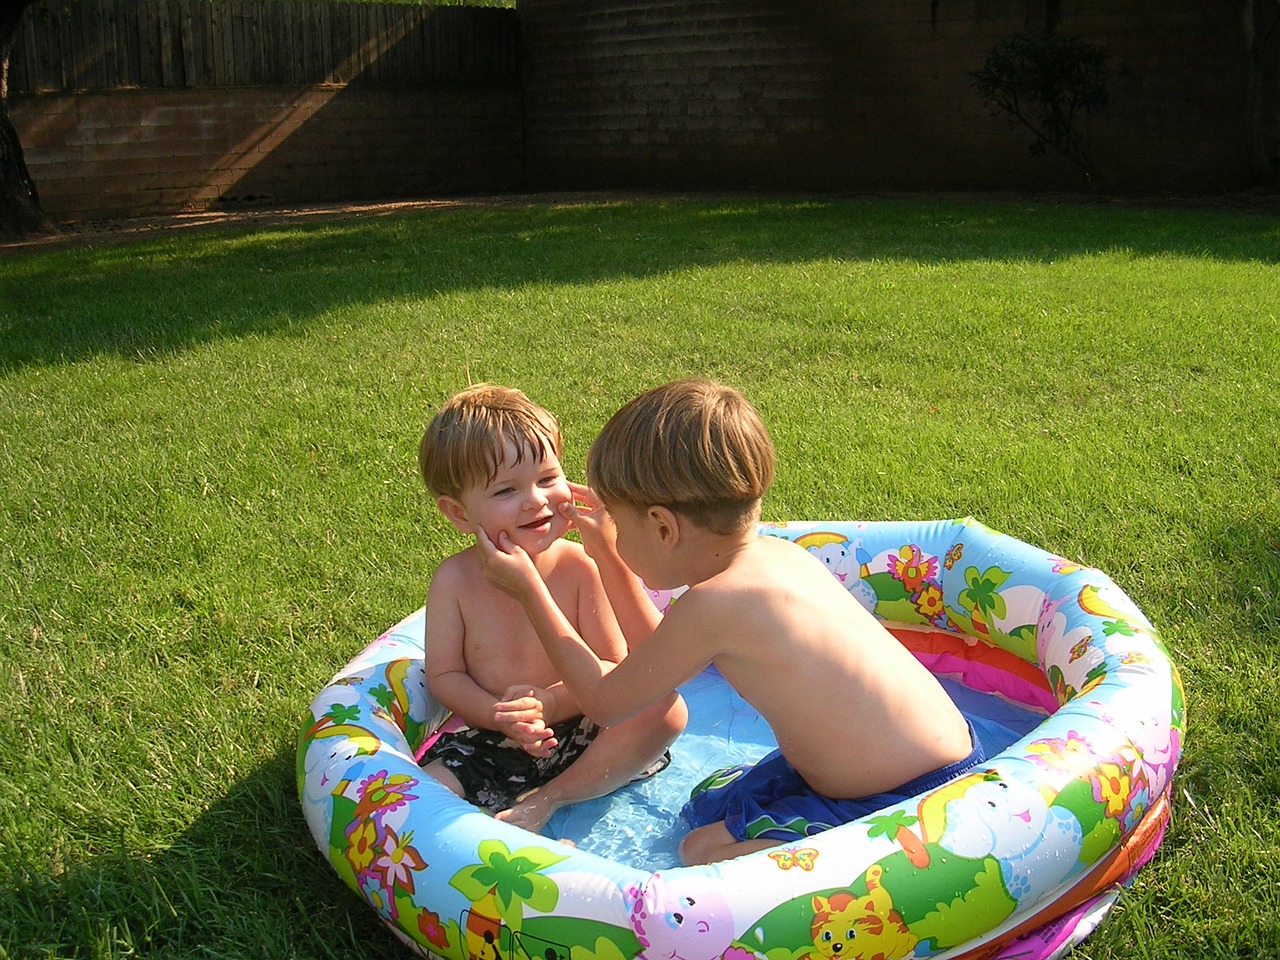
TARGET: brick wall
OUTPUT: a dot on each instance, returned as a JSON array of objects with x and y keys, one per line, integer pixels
[
  {"x": 128, "y": 152},
  {"x": 137, "y": 106},
  {"x": 830, "y": 94}
]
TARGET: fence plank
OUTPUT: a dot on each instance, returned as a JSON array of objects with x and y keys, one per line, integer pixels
[
  {"x": 213, "y": 15},
  {"x": 239, "y": 66},
  {"x": 209, "y": 54},
  {"x": 128, "y": 57},
  {"x": 107, "y": 41},
  {"x": 292, "y": 65},
  {"x": 270, "y": 42},
  {"x": 344, "y": 57},
  {"x": 167, "y": 70},
  {"x": 190, "y": 62},
  {"x": 89, "y": 71},
  {"x": 65, "y": 61},
  {"x": 226, "y": 45},
  {"x": 105, "y": 44},
  {"x": 134, "y": 25},
  {"x": 24, "y": 66},
  {"x": 381, "y": 43}
]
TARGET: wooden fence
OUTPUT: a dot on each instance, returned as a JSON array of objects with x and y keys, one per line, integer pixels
[{"x": 112, "y": 44}]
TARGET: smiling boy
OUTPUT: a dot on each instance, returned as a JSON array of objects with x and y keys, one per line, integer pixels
[{"x": 491, "y": 459}]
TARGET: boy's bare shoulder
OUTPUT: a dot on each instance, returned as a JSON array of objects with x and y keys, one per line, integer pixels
[
  {"x": 775, "y": 559},
  {"x": 570, "y": 559},
  {"x": 567, "y": 547},
  {"x": 768, "y": 576},
  {"x": 711, "y": 602},
  {"x": 456, "y": 573},
  {"x": 767, "y": 562}
]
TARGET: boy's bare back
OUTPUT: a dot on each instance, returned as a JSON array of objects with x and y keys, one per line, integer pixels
[{"x": 854, "y": 712}]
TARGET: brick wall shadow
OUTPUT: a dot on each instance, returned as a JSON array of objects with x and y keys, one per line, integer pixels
[{"x": 155, "y": 297}]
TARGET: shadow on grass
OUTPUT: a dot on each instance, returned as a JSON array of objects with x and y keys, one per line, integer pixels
[
  {"x": 245, "y": 881},
  {"x": 1234, "y": 743},
  {"x": 153, "y": 297}
]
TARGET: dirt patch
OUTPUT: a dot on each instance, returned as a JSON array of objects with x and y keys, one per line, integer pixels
[
  {"x": 127, "y": 229},
  {"x": 124, "y": 230}
]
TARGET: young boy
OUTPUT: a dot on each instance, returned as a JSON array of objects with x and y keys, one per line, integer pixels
[
  {"x": 680, "y": 472},
  {"x": 491, "y": 459}
]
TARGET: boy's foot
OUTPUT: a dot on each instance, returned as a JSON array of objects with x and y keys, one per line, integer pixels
[{"x": 530, "y": 812}]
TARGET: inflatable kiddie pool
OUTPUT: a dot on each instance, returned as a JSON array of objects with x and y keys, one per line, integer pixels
[{"x": 1018, "y": 858}]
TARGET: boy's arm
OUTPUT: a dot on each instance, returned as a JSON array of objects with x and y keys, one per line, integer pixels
[
  {"x": 593, "y": 615},
  {"x": 534, "y": 710},
  {"x": 608, "y": 693},
  {"x": 635, "y": 612}
]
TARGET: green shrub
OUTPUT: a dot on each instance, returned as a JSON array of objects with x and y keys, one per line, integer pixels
[{"x": 1050, "y": 84}]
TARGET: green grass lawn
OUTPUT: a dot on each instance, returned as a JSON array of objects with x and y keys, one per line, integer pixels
[{"x": 209, "y": 500}]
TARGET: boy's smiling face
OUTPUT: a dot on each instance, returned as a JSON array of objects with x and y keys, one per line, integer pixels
[{"x": 523, "y": 500}]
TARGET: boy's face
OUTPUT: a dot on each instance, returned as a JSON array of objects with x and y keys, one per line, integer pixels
[
  {"x": 523, "y": 499},
  {"x": 638, "y": 546}
]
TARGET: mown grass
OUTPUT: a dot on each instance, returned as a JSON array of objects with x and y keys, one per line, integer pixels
[{"x": 208, "y": 498}]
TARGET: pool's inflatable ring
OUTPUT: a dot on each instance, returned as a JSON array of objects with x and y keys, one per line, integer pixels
[{"x": 1019, "y": 858}]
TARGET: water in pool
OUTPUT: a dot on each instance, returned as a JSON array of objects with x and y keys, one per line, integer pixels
[{"x": 640, "y": 824}]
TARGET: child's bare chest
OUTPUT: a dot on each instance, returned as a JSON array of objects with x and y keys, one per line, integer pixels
[{"x": 501, "y": 647}]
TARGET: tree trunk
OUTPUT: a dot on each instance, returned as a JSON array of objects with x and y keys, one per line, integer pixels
[
  {"x": 1260, "y": 23},
  {"x": 20, "y": 210}
]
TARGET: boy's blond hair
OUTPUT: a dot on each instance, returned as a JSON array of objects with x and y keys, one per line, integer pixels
[
  {"x": 694, "y": 446},
  {"x": 465, "y": 443}
]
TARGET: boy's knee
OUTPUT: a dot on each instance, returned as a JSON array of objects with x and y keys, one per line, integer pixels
[
  {"x": 668, "y": 717},
  {"x": 676, "y": 715},
  {"x": 705, "y": 844},
  {"x": 444, "y": 776},
  {"x": 662, "y": 721}
]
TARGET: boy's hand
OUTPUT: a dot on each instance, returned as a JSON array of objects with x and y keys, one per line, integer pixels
[
  {"x": 506, "y": 565},
  {"x": 521, "y": 715},
  {"x": 592, "y": 521}
]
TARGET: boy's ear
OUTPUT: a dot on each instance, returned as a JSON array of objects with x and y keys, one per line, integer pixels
[
  {"x": 665, "y": 523},
  {"x": 455, "y": 513}
]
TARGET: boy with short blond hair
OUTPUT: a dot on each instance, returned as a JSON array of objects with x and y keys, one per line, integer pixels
[
  {"x": 680, "y": 473},
  {"x": 491, "y": 459}
]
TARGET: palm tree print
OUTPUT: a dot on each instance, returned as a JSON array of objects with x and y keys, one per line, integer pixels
[
  {"x": 897, "y": 826},
  {"x": 499, "y": 887}
]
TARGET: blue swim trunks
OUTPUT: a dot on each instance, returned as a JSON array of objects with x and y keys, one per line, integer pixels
[{"x": 769, "y": 800}]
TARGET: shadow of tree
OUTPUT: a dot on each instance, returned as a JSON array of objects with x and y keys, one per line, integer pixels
[{"x": 154, "y": 297}]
